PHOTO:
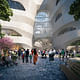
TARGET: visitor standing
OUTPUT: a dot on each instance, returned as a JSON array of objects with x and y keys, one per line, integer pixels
[
  {"x": 27, "y": 54},
  {"x": 30, "y": 57},
  {"x": 35, "y": 57},
  {"x": 63, "y": 54},
  {"x": 32, "y": 51},
  {"x": 46, "y": 53},
  {"x": 19, "y": 53},
  {"x": 66, "y": 54},
  {"x": 74, "y": 53},
  {"x": 51, "y": 55},
  {"x": 59, "y": 54},
  {"x": 23, "y": 53}
]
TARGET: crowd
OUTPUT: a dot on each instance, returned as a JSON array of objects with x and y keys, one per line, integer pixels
[
  {"x": 11, "y": 57},
  {"x": 60, "y": 53},
  {"x": 31, "y": 56},
  {"x": 28, "y": 55},
  {"x": 8, "y": 58}
]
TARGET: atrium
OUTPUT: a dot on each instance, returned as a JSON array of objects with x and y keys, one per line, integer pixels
[
  {"x": 39, "y": 40},
  {"x": 44, "y": 20}
]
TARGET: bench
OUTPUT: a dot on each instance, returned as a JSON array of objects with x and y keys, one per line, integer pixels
[{"x": 72, "y": 70}]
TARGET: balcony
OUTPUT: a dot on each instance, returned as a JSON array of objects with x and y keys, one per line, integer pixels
[
  {"x": 21, "y": 40},
  {"x": 67, "y": 38}
]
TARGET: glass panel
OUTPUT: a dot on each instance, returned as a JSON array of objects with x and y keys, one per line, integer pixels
[{"x": 16, "y": 5}]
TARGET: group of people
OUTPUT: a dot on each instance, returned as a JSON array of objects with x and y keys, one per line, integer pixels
[
  {"x": 29, "y": 55},
  {"x": 12, "y": 56},
  {"x": 61, "y": 53},
  {"x": 8, "y": 58},
  {"x": 32, "y": 55}
]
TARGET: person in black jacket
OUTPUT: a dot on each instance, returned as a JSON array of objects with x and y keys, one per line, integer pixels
[
  {"x": 19, "y": 53},
  {"x": 27, "y": 54}
]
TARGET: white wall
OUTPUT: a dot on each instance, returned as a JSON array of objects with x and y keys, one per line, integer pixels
[
  {"x": 23, "y": 21},
  {"x": 64, "y": 21}
]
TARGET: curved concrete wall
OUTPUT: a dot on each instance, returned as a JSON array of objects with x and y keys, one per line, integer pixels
[
  {"x": 67, "y": 38},
  {"x": 23, "y": 21},
  {"x": 66, "y": 20}
]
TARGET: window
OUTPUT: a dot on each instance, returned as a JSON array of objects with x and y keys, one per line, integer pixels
[
  {"x": 10, "y": 32},
  {"x": 37, "y": 32},
  {"x": 57, "y": 2},
  {"x": 16, "y": 5},
  {"x": 42, "y": 17},
  {"x": 41, "y": 23},
  {"x": 66, "y": 30},
  {"x": 58, "y": 16}
]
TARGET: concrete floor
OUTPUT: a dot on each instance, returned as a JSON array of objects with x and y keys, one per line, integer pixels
[{"x": 43, "y": 70}]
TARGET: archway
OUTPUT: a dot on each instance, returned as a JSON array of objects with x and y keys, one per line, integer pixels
[
  {"x": 74, "y": 45},
  {"x": 42, "y": 31},
  {"x": 43, "y": 44},
  {"x": 42, "y": 28}
]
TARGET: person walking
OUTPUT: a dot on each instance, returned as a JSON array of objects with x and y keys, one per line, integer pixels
[
  {"x": 59, "y": 51},
  {"x": 63, "y": 54},
  {"x": 23, "y": 53},
  {"x": 30, "y": 57},
  {"x": 74, "y": 53},
  {"x": 35, "y": 57},
  {"x": 32, "y": 51},
  {"x": 27, "y": 54},
  {"x": 51, "y": 55},
  {"x": 66, "y": 54},
  {"x": 46, "y": 53},
  {"x": 19, "y": 53}
]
